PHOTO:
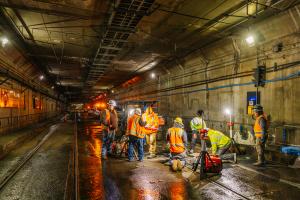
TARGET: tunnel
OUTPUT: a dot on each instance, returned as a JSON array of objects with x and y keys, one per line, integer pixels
[{"x": 149, "y": 99}]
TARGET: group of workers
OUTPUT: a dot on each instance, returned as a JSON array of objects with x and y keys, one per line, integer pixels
[{"x": 145, "y": 126}]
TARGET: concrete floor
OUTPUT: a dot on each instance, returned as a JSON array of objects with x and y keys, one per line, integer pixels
[
  {"x": 118, "y": 179},
  {"x": 44, "y": 176}
]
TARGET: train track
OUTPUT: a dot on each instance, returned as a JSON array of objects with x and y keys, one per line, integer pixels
[
  {"x": 9, "y": 176},
  {"x": 222, "y": 186}
]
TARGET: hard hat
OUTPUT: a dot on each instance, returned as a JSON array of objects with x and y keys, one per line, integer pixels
[
  {"x": 196, "y": 121},
  {"x": 258, "y": 108},
  {"x": 138, "y": 111},
  {"x": 112, "y": 103},
  {"x": 178, "y": 120}
]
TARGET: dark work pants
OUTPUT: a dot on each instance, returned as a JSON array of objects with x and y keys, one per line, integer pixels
[{"x": 135, "y": 141}]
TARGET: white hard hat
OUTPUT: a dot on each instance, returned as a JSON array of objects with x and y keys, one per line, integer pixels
[
  {"x": 196, "y": 121},
  {"x": 138, "y": 111},
  {"x": 112, "y": 103}
]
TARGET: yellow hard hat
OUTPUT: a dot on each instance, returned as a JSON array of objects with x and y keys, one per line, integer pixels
[{"x": 178, "y": 120}]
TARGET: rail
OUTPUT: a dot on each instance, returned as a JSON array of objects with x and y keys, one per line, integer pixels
[{"x": 9, "y": 176}]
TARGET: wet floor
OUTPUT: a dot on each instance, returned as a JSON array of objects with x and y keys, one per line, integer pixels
[
  {"x": 118, "y": 179},
  {"x": 44, "y": 175}
]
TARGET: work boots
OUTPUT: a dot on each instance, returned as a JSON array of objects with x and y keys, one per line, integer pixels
[
  {"x": 179, "y": 165},
  {"x": 175, "y": 165},
  {"x": 259, "y": 163},
  {"x": 151, "y": 156}
]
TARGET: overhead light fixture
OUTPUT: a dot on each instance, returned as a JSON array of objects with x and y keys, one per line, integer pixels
[
  {"x": 152, "y": 75},
  {"x": 57, "y": 41},
  {"x": 112, "y": 91},
  {"x": 4, "y": 41},
  {"x": 250, "y": 40},
  {"x": 41, "y": 77}
]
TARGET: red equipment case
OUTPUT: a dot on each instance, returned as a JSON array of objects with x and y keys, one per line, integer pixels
[{"x": 213, "y": 164}]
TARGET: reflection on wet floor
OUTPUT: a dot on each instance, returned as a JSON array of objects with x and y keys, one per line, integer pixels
[
  {"x": 89, "y": 147},
  {"x": 119, "y": 179},
  {"x": 116, "y": 178}
]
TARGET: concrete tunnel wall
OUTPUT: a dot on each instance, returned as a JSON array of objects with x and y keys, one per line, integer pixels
[
  {"x": 13, "y": 60},
  {"x": 231, "y": 56}
]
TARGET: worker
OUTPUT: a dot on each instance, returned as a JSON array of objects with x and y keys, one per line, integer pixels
[
  {"x": 177, "y": 140},
  {"x": 261, "y": 133},
  {"x": 196, "y": 124},
  {"x": 109, "y": 122},
  {"x": 151, "y": 129},
  {"x": 220, "y": 143},
  {"x": 136, "y": 135}
]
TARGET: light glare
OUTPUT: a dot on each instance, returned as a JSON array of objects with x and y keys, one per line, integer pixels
[
  {"x": 152, "y": 75},
  {"x": 227, "y": 111},
  {"x": 250, "y": 39}
]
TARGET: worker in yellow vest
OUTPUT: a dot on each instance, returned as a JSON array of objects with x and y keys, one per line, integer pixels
[
  {"x": 196, "y": 124},
  {"x": 261, "y": 133},
  {"x": 177, "y": 140},
  {"x": 151, "y": 129},
  {"x": 136, "y": 135},
  {"x": 220, "y": 143},
  {"x": 109, "y": 122}
]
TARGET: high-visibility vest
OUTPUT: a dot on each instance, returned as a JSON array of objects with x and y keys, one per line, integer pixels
[
  {"x": 258, "y": 130},
  {"x": 217, "y": 140},
  {"x": 107, "y": 118},
  {"x": 176, "y": 140},
  {"x": 198, "y": 126},
  {"x": 134, "y": 128},
  {"x": 151, "y": 122}
]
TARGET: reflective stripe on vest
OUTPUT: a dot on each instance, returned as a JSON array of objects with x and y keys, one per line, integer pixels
[
  {"x": 258, "y": 130},
  {"x": 151, "y": 122},
  {"x": 134, "y": 127},
  {"x": 176, "y": 142}
]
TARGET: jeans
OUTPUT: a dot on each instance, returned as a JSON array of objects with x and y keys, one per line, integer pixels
[
  {"x": 179, "y": 156},
  {"x": 135, "y": 141},
  {"x": 151, "y": 141},
  {"x": 108, "y": 138},
  {"x": 195, "y": 136},
  {"x": 260, "y": 148}
]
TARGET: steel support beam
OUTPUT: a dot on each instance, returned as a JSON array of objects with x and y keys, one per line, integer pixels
[{"x": 59, "y": 10}]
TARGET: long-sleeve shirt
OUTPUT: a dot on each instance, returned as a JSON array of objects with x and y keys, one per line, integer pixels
[{"x": 217, "y": 139}]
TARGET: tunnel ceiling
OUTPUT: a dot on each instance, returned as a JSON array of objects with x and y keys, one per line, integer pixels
[{"x": 87, "y": 47}]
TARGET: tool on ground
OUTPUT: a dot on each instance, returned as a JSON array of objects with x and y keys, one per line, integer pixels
[
  {"x": 124, "y": 148},
  {"x": 208, "y": 164}
]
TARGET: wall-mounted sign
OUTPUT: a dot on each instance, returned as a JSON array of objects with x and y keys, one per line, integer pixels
[{"x": 253, "y": 98}]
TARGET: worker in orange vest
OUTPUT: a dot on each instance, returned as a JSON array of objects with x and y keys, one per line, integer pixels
[
  {"x": 261, "y": 133},
  {"x": 151, "y": 129},
  {"x": 177, "y": 140},
  {"x": 109, "y": 122},
  {"x": 136, "y": 135}
]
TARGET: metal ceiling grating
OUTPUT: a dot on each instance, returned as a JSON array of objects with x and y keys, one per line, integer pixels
[{"x": 122, "y": 22}]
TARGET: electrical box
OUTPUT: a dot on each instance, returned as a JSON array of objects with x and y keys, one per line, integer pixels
[{"x": 253, "y": 98}]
